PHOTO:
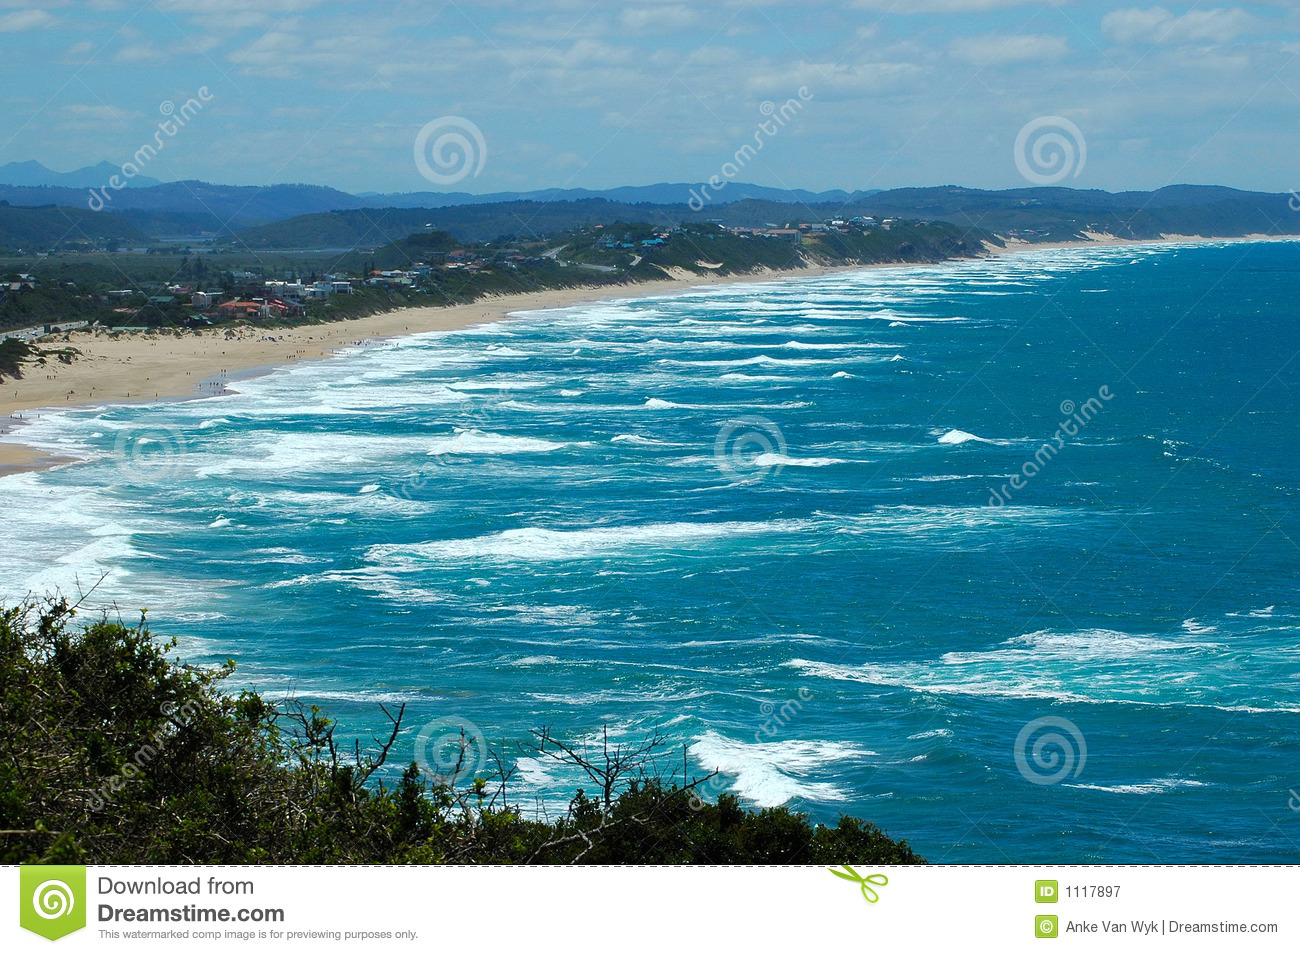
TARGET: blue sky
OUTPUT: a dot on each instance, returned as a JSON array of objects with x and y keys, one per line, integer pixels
[{"x": 581, "y": 94}]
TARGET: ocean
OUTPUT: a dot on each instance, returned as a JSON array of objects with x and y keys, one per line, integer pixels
[{"x": 1000, "y": 555}]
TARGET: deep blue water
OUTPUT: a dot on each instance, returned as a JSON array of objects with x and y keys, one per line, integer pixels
[{"x": 685, "y": 512}]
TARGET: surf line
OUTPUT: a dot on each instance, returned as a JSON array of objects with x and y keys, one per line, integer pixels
[{"x": 1079, "y": 417}]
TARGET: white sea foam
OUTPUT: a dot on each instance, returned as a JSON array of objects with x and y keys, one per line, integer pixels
[
  {"x": 279, "y": 453},
  {"x": 824, "y": 346},
  {"x": 640, "y": 441},
  {"x": 1091, "y": 665},
  {"x": 468, "y": 442},
  {"x": 505, "y": 385},
  {"x": 761, "y": 359},
  {"x": 963, "y": 437},
  {"x": 772, "y": 773},
  {"x": 539, "y": 544},
  {"x": 753, "y": 378},
  {"x": 783, "y": 460},
  {"x": 1157, "y": 786}
]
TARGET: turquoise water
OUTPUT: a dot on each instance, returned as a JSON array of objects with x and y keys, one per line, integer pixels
[{"x": 777, "y": 521}]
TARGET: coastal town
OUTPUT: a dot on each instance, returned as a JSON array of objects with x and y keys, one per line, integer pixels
[{"x": 280, "y": 287}]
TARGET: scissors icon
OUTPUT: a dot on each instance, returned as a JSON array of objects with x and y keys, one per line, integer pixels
[{"x": 868, "y": 892}]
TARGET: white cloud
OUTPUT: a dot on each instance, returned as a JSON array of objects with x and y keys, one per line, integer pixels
[
  {"x": 1157, "y": 25},
  {"x": 995, "y": 49},
  {"x": 947, "y": 6},
  {"x": 658, "y": 19},
  {"x": 21, "y": 20}
]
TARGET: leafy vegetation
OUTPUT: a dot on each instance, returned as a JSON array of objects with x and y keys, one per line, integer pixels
[
  {"x": 111, "y": 752},
  {"x": 12, "y": 355},
  {"x": 153, "y": 290},
  {"x": 15, "y": 353}
]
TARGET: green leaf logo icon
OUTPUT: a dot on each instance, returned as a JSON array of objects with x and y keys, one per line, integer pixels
[{"x": 52, "y": 899}]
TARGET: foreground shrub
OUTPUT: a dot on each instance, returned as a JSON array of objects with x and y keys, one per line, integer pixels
[{"x": 113, "y": 753}]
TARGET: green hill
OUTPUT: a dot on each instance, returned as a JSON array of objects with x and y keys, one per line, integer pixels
[{"x": 48, "y": 227}]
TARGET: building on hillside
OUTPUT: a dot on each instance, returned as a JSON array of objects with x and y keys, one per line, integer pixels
[{"x": 241, "y": 309}]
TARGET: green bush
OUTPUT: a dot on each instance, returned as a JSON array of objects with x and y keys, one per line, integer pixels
[{"x": 113, "y": 753}]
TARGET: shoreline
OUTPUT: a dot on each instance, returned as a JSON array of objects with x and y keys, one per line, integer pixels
[{"x": 148, "y": 368}]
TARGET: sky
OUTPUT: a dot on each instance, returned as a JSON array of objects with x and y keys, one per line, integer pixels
[{"x": 506, "y": 96}]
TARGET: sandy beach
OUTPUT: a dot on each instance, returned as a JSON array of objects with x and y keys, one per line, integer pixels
[{"x": 143, "y": 367}]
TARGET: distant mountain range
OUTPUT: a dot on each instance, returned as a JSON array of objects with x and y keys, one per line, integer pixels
[
  {"x": 1040, "y": 214},
  {"x": 299, "y": 216},
  {"x": 32, "y": 173},
  {"x": 192, "y": 207}
]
